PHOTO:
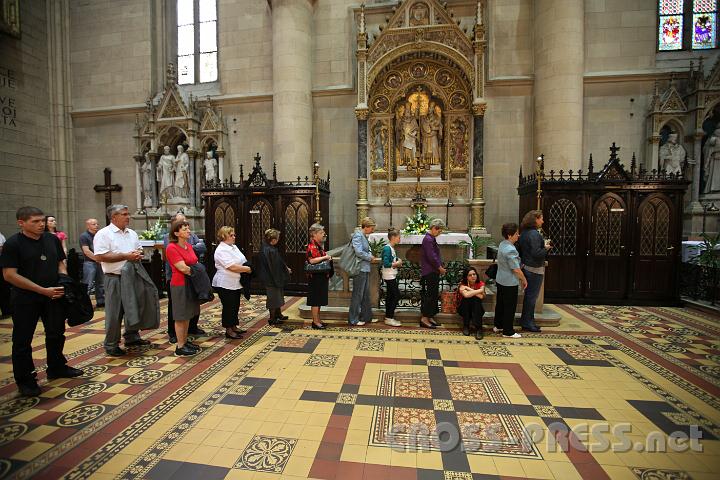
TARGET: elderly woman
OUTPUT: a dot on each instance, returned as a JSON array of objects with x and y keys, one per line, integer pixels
[
  {"x": 275, "y": 274},
  {"x": 430, "y": 269},
  {"x": 229, "y": 264},
  {"x": 181, "y": 256},
  {"x": 509, "y": 276},
  {"x": 317, "y": 282},
  {"x": 533, "y": 250}
]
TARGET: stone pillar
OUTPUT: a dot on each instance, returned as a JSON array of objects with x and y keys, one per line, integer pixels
[
  {"x": 138, "y": 182},
  {"x": 292, "y": 85},
  {"x": 153, "y": 161},
  {"x": 362, "y": 204},
  {"x": 477, "y": 205},
  {"x": 558, "y": 89},
  {"x": 221, "y": 164}
]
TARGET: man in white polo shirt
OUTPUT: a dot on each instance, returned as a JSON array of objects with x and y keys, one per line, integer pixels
[{"x": 113, "y": 246}]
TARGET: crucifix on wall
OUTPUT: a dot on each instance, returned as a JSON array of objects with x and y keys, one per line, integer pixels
[{"x": 108, "y": 188}]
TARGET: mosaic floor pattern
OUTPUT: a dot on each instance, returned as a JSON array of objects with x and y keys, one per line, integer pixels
[{"x": 613, "y": 392}]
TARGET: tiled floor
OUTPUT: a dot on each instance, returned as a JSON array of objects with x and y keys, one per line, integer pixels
[{"x": 587, "y": 399}]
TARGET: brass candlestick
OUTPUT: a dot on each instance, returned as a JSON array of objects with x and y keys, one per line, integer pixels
[
  {"x": 316, "y": 178},
  {"x": 540, "y": 175}
]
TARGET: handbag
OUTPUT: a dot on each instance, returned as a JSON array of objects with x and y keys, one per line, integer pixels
[
  {"x": 321, "y": 267},
  {"x": 491, "y": 271},
  {"x": 349, "y": 261}
]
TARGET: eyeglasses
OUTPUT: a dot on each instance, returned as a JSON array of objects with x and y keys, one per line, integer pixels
[{"x": 232, "y": 235}]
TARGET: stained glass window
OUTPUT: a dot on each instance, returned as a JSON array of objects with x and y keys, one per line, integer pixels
[
  {"x": 197, "y": 41},
  {"x": 704, "y": 24},
  {"x": 670, "y": 26}
]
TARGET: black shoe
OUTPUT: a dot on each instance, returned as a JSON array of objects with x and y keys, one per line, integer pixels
[
  {"x": 173, "y": 339},
  {"x": 318, "y": 327},
  {"x": 466, "y": 330},
  {"x": 68, "y": 372},
  {"x": 434, "y": 322},
  {"x": 29, "y": 389},
  {"x": 197, "y": 331},
  {"x": 531, "y": 328},
  {"x": 185, "y": 351},
  {"x": 432, "y": 325},
  {"x": 115, "y": 352},
  {"x": 239, "y": 331},
  {"x": 479, "y": 334},
  {"x": 100, "y": 305},
  {"x": 234, "y": 336},
  {"x": 137, "y": 343},
  {"x": 282, "y": 317}
]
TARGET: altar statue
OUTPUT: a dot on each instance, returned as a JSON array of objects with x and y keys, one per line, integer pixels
[
  {"x": 672, "y": 154},
  {"x": 711, "y": 153},
  {"x": 165, "y": 172},
  {"x": 182, "y": 173},
  {"x": 210, "y": 167},
  {"x": 408, "y": 126},
  {"x": 431, "y": 126},
  {"x": 146, "y": 174},
  {"x": 380, "y": 140}
]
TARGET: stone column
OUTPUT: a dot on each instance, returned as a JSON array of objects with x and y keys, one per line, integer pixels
[
  {"x": 221, "y": 164},
  {"x": 362, "y": 204},
  {"x": 477, "y": 205},
  {"x": 153, "y": 161},
  {"x": 558, "y": 89},
  {"x": 138, "y": 181},
  {"x": 292, "y": 85}
]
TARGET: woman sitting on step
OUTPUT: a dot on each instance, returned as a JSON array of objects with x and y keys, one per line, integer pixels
[{"x": 470, "y": 295}]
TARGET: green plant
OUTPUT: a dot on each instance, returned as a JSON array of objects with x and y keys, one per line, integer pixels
[
  {"x": 155, "y": 232},
  {"x": 477, "y": 244},
  {"x": 419, "y": 223},
  {"x": 709, "y": 252},
  {"x": 376, "y": 246}
]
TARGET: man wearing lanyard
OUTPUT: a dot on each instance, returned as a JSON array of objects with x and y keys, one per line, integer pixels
[{"x": 31, "y": 262}]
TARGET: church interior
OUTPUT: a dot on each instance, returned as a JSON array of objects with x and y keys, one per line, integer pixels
[{"x": 603, "y": 115}]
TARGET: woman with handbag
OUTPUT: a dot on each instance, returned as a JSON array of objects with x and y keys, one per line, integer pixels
[
  {"x": 229, "y": 264},
  {"x": 275, "y": 274},
  {"x": 318, "y": 268},
  {"x": 509, "y": 277}
]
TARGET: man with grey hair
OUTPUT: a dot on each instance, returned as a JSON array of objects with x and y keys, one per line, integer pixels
[
  {"x": 115, "y": 245},
  {"x": 360, "y": 308},
  {"x": 92, "y": 273},
  {"x": 430, "y": 270},
  {"x": 199, "y": 247}
]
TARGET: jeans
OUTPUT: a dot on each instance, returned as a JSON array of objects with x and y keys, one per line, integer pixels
[
  {"x": 360, "y": 308},
  {"x": 471, "y": 310},
  {"x": 25, "y": 318},
  {"x": 532, "y": 292},
  {"x": 505, "y": 308},
  {"x": 93, "y": 277},
  {"x": 392, "y": 296}
]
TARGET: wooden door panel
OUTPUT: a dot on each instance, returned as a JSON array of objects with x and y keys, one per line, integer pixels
[
  {"x": 653, "y": 273},
  {"x": 563, "y": 225},
  {"x": 607, "y": 253},
  {"x": 294, "y": 239}
]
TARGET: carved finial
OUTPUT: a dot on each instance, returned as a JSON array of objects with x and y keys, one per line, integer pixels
[
  {"x": 700, "y": 64},
  {"x": 591, "y": 167},
  {"x": 520, "y": 173},
  {"x": 672, "y": 79},
  {"x": 328, "y": 178},
  {"x": 613, "y": 151},
  {"x": 362, "y": 18},
  {"x": 137, "y": 122},
  {"x": 257, "y": 159},
  {"x": 633, "y": 164},
  {"x": 275, "y": 171},
  {"x": 242, "y": 175},
  {"x": 479, "y": 13}
]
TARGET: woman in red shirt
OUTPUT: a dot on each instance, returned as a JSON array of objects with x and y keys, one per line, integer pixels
[
  {"x": 317, "y": 282},
  {"x": 51, "y": 226},
  {"x": 469, "y": 295},
  {"x": 181, "y": 255}
]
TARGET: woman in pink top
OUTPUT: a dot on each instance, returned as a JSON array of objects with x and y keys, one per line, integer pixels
[
  {"x": 51, "y": 226},
  {"x": 180, "y": 256}
]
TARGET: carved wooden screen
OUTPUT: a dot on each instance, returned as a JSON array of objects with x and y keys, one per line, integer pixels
[
  {"x": 260, "y": 220},
  {"x": 654, "y": 228},
  {"x": 224, "y": 216},
  {"x": 608, "y": 227},
  {"x": 562, "y": 227},
  {"x": 296, "y": 227}
]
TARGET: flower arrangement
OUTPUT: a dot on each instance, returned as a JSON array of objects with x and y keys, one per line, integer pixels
[
  {"x": 155, "y": 232},
  {"x": 419, "y": 223}
]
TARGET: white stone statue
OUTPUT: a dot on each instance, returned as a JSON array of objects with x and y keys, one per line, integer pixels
[
  {"x": 182, "y": 173},
  {"x": 165, "y": 172},
  {"x": 711, "y": 153},
  {"x": 146, "y": 173},
  {"x": 431, "y": 127},
  {"x": 672, "y": 154},
  {"x": 210, "y": 167}
]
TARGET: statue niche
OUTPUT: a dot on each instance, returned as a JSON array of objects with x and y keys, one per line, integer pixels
[{"x": 419, "y": 130}]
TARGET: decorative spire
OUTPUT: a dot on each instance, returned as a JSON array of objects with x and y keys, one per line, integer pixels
[
  {"x": 275, "y": 171},
  {"x": 242, "y": 175},
  {"x": 479, "y": 13},
  {"x": 591, "y": 167},
  {"x": 171, "y": 74},
  {"x": 362, "y": 18},
  {"x": 633, "y": 164}
]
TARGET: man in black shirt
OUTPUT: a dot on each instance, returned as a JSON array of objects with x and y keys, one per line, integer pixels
[
  {"x": 92, "y": 271},
  {"x": 31, "y": 262}
]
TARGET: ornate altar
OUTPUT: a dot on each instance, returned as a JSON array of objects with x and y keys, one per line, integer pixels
[
  {"x": 180, "y": 147},
  {"x": 420, "y": 108},
  {"x": 616, "y": 233},
  {"x": 252, "y": 206}
]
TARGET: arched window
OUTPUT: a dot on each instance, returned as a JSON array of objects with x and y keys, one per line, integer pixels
[
  {"x": 197, "y": 52},
  {"x": 562, "y": 227},
  {"x": 654, "y": 228},
  {"x": 687, "y": 24}
]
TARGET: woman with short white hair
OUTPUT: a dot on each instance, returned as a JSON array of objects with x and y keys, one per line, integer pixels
[{"x": 229, "y": 263}]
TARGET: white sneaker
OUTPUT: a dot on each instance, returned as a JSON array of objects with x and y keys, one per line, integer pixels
[
  {"x": 392, "y": 322},
  {"x": 514, "y": 335},
  {"x": 374, "y": 320},
  {"x": 497, "y": 330},
  {"x": 359, "y": 324}
]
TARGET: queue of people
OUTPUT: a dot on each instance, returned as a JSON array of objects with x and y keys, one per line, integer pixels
[{"x": 33, "y": 260}]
